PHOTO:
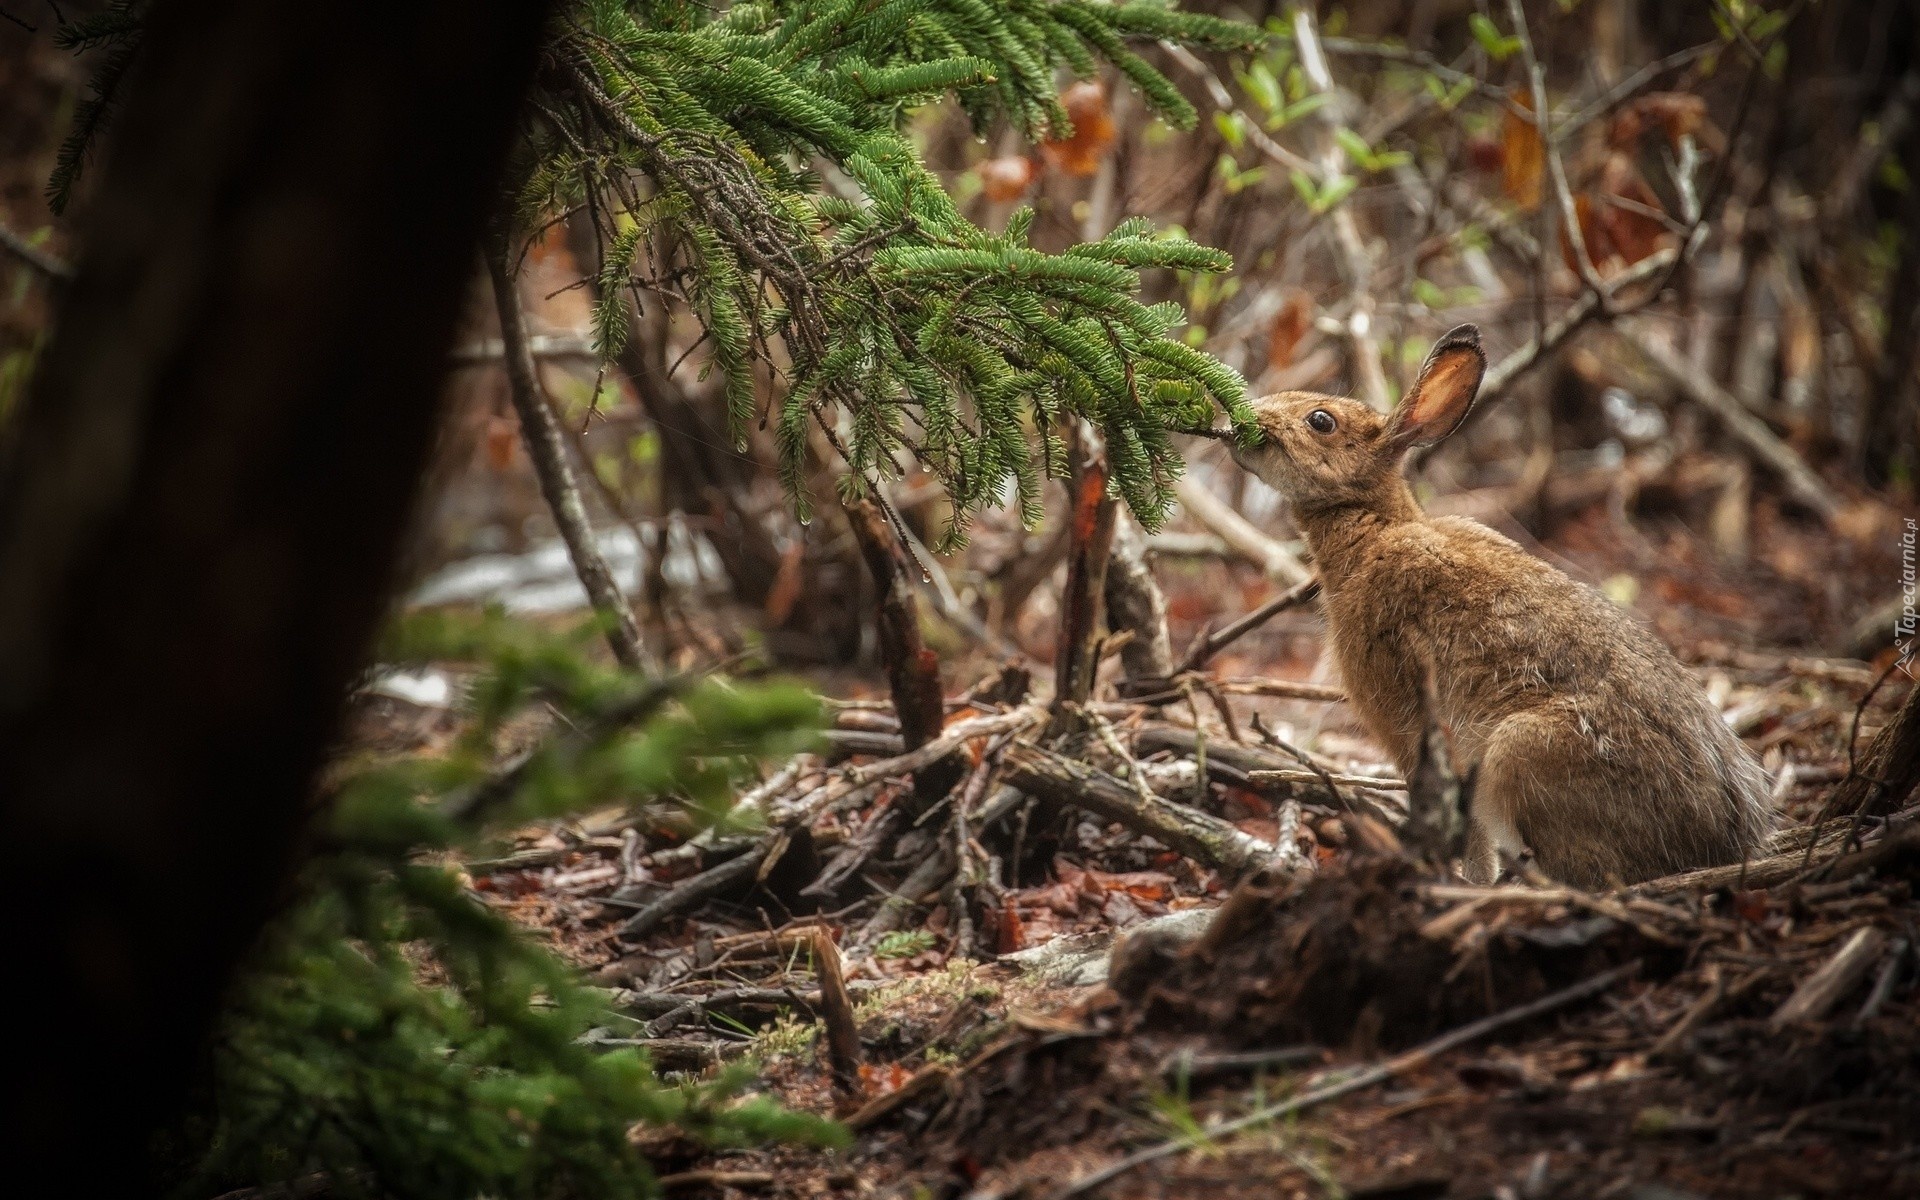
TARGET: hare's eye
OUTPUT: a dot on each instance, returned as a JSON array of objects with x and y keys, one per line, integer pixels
[{"x": 1321, "y": 421}]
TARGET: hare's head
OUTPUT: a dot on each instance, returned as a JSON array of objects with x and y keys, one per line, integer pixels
[{"x": 1325, "y": 451}]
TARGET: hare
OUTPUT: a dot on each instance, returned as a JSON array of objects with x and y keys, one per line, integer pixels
[{"x": 1595, "y": 749}]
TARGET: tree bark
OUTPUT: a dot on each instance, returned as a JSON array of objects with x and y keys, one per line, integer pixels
[
  {"x": 547, "y": 448},
  {"x": 1887, "y": 771},
  {"x": 913, "y": 671},
  {"x": 1091, "y": 540},
  {"x": 202, "y": 502}
]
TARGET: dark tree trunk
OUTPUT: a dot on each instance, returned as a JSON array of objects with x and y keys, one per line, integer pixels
[
  {"x": 201, "y": 504},
  {"x": 913, "y": 671},
  {"x": 1091, "y": 516}
]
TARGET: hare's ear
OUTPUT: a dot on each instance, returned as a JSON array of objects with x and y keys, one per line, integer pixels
[{"x": 1444, "y": 392}]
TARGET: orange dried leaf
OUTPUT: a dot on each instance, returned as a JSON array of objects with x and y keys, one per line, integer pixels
[
  {"x": 1009, "y": 933},
  {"x": 1523, "y": 157},
  {"x": 1093, "y": 130},
  {"x": 1290, "y": 326},
  {"x": 1674, "y": 114},
  {"x": 882, "y": 1078},
  {"x": 502, "y": 442},
  {"x": 787, "y": 583},
  {"x": 1619, "y": 220}
]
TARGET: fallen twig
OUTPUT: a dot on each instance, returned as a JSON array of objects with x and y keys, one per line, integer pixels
[
  {"x": 836, "y": 1013},
  {"x": 689, "y": 892},
  {"x": 1200, "y": 836},
  {"x": 1214, "y": 641},
  {"x": 1829, "y": 985},
  {"x": 1380, "y": 1073},
  {"x": 720, "y": 1179}
]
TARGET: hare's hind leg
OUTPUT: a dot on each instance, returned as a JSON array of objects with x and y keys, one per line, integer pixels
[
  {"x": 1540, "y": 787},
  {"x": 1490, "y": 834}
]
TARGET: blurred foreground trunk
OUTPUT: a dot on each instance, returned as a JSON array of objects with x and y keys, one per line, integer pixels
[{"x": 201, "y": 503}]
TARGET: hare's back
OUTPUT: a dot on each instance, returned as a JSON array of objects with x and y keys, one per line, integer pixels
[{"x": 1496, "y": 612}]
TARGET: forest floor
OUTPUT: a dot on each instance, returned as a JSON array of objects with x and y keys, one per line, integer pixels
[{"x": 1736, "y": 1035}]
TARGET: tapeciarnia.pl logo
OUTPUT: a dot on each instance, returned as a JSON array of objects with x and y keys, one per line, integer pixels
[{"x": 1904, "y": 627}]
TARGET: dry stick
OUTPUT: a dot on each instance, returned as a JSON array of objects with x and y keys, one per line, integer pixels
[
  {"x": 1718, "y": 994},
  {"x": 1829, "y": 985},
  {"x": 786, "y": 817},
  {"x": 546, "y": 446},
  {"x": 1883, "y": 985},
  {"x": 1347, "y": 242},
  {"x": 1766, "y": 872},
  {"x": 55, "y": 269},
  {"x": 1241, "y": 535},
  {"x": 1216, "y": 641},
  {"x": 1398, "y": 1065},
  {"x": 1280, "y": 689},
  {"x": 686, "y": 894},
  {"x": 739, "y": 1179},
  {"x": 836, "y": 1013},
  {"x": 1324, "y": 777},
  {"x": 913, "y": 671},
  {"x": 1200, "y": 836},
  {"x": 935, "y": 869},
  {"x": 1748, "y": 429}
]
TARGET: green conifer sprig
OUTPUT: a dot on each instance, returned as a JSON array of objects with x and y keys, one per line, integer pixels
[{"x": 893, "y": 325}]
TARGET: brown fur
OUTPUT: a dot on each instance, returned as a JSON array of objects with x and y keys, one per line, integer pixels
[{"x": 1595, "y": 747}]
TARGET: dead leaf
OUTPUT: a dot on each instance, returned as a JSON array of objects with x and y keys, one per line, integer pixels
[
  {"x": 1093, "y": 131},
  {"x": 1009, "y": 932},
  {"x": 1674, "y": 114},
  {"x": 881, "y": 1078},
  {"x": 502, "y": 442},
  {"x": 1290, "y": 326},
  {"x": 1617, "y": 218},
  {"x": 787, "y": 582},
  {"x": 1523, "y": 158}
]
